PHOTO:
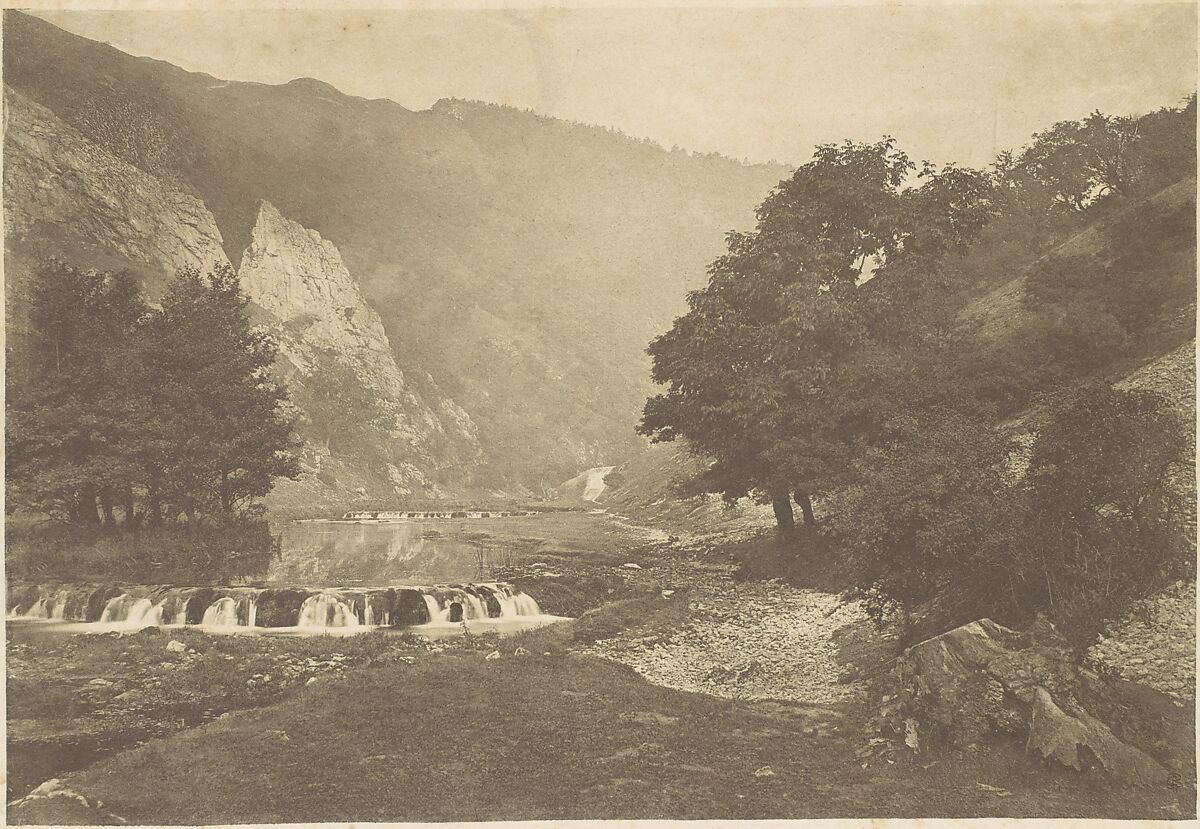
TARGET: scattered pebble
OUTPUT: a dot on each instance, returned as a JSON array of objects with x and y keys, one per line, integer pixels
[
  {"x": 744, "y": 640},
  {"x": 1155, "y": 644}
]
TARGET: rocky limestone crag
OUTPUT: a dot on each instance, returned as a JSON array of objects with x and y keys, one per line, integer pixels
[
  {"x": 65, "y": 196},
  {"x": 983, "y": 681},
  {"x": 314, "y": 308}
]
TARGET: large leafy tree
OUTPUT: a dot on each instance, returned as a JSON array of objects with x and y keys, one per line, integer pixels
[
  {"x": 1077, "y": 162},
  {"x": 744, "y": 366},
  {"x": 772, "y": 372}
]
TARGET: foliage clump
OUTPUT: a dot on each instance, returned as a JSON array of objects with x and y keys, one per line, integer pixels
[
  {"x": 827, "y": 359},
  {"x": 123, "y": 413}
]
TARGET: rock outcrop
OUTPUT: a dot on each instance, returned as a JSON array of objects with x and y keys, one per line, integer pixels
[
  {"x": 55, "y": 803},
  {"x": 65, "y": 196},
  {"x": 68, "y": 197},
  {"x": 299, "y": 278},
  {"x": 315, "y": 310},
  {"x": 982, "y": 681}
]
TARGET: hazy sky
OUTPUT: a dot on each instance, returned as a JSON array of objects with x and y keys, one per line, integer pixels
[{"x": 951, "y": 82}]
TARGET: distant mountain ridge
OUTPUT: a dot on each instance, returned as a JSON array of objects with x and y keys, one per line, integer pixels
[{"x": 518, "y": 264}]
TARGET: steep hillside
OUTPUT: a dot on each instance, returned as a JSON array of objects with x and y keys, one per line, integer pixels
[
  {"x": 521, "y": 262},
  {"x": 65, "y": 196},
  {"x": 997, "y": 316}
]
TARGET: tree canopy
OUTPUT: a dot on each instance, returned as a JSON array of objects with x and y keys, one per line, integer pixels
[
  {"x": 770, "y": 370},
  {"x": 827, "y": 356},
  {"x": 159, "y": 412}
]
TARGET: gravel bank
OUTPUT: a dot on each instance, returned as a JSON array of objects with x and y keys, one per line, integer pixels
[
  {"x": 745, "y": 641},
  {"x": 1156, "y": 643}
]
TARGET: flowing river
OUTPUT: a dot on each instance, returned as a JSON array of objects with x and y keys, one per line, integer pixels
[{"x": 429, "y": 573}]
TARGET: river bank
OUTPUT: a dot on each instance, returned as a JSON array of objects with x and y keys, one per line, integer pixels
[{"x": 679, "y": 691}]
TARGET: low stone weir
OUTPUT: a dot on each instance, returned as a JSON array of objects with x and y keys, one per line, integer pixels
[
  {"x": 389, "y": 515},
  {"x": 272, "y": 607}
]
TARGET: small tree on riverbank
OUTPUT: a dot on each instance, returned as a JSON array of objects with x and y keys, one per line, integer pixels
[
  {"x": 209, "y": 363},
  {"x": 70, "y": 432}
]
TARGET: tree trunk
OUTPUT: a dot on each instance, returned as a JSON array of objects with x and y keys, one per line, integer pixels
[
  {"x": 130, "y": 509},
  {"x": 805, "y": 502},
  {"x": 153, "y": 509},
  {"x": 106, "y": 505},
  {"x": 784, "y": 520},
  {"x": 87, "y": 506}
]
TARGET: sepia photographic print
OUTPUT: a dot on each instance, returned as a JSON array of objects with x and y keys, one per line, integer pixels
[{"x": 437, "y": 413}]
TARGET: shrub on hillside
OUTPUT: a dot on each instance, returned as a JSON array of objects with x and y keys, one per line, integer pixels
[
  {"x": 1106, "y": 510},
  {"x": 1086, "y": 308},
  {"x": 1103, "y": 515},
  {"x": 914, "y": 520}
]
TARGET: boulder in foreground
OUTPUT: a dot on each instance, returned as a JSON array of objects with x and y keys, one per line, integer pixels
[{"x": 982, "y": 681}]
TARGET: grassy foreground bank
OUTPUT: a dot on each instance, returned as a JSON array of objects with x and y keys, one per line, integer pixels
[{"x": 462, "y": 737}]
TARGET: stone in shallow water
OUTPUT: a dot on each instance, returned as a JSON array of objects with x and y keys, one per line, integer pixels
[{"x": 277, "y": 608}]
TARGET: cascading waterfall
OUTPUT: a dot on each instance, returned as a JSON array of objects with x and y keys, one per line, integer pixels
[
  {"x": 221, "y": 613},
  {"x": 326, "y": 610},
  {"x": 131, "y": 611},
  {"x": 434, "y": 609},
  {"x": 247, "y": 608},
  {"x": 514, "y": 603},
  {"x": 59, "y": 609}
]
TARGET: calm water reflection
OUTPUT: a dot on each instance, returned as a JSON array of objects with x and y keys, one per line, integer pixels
[{"x": 399, "y": 552}]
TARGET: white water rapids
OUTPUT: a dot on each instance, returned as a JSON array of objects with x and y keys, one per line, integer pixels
[{"x": 244, "y": 610}]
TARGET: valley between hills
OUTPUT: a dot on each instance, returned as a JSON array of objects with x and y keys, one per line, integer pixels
[{"x": 373, "y": 464}]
